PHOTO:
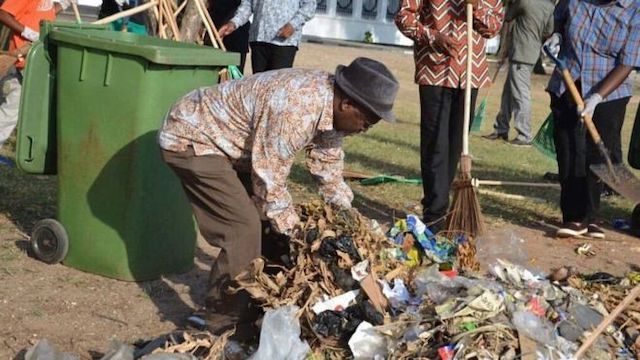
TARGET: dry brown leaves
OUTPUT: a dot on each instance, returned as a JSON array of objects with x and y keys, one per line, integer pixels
[
  {"x": 202, "y": 345},
  {"x": 310, "y": 276}
]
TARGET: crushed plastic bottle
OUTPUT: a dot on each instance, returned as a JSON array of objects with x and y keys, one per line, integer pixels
[{"x": 534, "y": 327}]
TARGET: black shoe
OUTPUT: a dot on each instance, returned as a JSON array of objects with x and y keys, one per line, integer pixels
[
  {"x": 571, "y": 229},
  {"x": 595, "y": 232},
  {"x": 496, "y": 136},
  {"x": 518, "y": 142}
]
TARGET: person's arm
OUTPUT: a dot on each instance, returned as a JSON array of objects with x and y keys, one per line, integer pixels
[
  {"x": 280, "y": 132},
  {"x": 325, "y": 161},
  {"x": 408, "y": 22},
  {"x": 488, "y": 17},
  {"x": 548, "y": 27},
  {"x": 628, "y": 59},
  {"x": 243, "y": 13},
  {"x": 305, "y": 13},
  {"x": 560, "y": 16},
  {"x": 9, "y": 21},
  {"x": 513, "y": 10}
]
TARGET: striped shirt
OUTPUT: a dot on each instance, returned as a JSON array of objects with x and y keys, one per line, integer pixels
[
  {"x": 597, "y": 38},
  {"x": 259, "y": 123},
  {"x": 420, "y": 20}
]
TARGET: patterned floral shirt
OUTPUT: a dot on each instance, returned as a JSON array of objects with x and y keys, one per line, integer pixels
[
  {"x": 269, "y": 16},
  {"x": 421, "y": 20},
  {"x": 260, "y": 123}
]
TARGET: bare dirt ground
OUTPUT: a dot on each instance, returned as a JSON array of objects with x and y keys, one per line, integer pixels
[{"x": 81, "y": 313}]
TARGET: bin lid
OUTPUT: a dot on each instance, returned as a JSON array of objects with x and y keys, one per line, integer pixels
[{"x": 155, "y": 50}]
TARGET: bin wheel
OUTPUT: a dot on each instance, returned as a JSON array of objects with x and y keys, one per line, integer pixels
[
  {"x": 635, "y": 217},
  {"x": 49, "y": 241}
]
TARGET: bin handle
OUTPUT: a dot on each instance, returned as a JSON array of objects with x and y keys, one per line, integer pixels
[{"x": 29, "y": 157}]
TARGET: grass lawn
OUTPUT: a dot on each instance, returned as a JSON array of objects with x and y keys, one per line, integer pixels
[{"x": 385, "y": 149}]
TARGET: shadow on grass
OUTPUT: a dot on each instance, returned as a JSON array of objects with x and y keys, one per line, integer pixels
[{"x": 26, "y": 199}]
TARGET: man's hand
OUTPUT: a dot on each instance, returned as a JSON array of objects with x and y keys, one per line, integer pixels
[
  {"x": 590, "y": 105},
  {"x": 227, "y": 29},
  {"x": 286, "y": 31},
  {"x": 446, "y": 44},
  {"x": 30, "y": 34},
  {"x": 553, "y": 43}
]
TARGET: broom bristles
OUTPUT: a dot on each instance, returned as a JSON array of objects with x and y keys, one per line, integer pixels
[{"x": 465, "y": 215}]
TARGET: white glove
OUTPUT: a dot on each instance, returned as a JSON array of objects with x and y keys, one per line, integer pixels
[
  {"x": 590, "y": 105},
  {"x": 64, "y": 4},
  {"x": 30, "y": 34},
  {"x": 553, "y": 43}
]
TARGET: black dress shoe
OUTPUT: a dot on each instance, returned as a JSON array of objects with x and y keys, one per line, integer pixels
[{"x": 496, "y": 136}]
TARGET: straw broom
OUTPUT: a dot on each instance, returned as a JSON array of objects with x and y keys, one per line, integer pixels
[{"x": 465, "y": 215}]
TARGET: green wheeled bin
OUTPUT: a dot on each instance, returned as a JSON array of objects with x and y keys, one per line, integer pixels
[{"x": 121, "y": 211}]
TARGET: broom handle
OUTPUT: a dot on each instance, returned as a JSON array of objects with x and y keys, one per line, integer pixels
[
  {"x": 76, "y": 12},
  {"x": 467, "y": 89}
]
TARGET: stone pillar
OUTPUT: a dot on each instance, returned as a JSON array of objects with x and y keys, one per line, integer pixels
[{"x": 357, "y": 9}]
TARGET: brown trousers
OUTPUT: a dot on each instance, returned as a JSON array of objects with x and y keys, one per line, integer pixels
[{"x": 227, "y": 218}]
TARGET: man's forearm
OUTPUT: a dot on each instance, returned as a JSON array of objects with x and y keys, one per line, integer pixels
[
  {"x": 9, "y": 21},
  {"x": 613, "y": 79}
]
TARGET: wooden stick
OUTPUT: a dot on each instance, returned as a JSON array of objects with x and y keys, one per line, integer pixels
[
  {"x": 159, "y": 17},
  {"x": 206, "y": 23},
  {"x": 213, "y": 27},
  {"x": 170, "y": 19},
  {"x": 510, "y": 196},
  {"x": 122, "y": 14},
  {"x": 76, "y": 12},
  {"x": 180, "y": 8},
  {"x": 516, "y": 183},
  {"x": 467, "y": 89},
  {"x": 606, "y": 322}
]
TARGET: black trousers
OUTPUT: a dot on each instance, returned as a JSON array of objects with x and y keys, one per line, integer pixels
[
  {"x": 265, "y": 56},
  {"x": 441, "y": 123},
  {"x": 580, "y": 188}
]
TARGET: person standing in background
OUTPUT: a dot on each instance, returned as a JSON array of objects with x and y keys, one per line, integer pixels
[
  {"x": 221, "y": 12},
  {"x": 439, "y": 31},
  {"x": 276, "y": 30},
  {"x": 599, "y": 40},
  {"x": 532, "y": 24},
  {"x": 23, "y": 18}
]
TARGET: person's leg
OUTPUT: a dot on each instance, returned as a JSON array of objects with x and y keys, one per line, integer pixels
[
  {"x": 9, "y": 106},
  {"x": 260, "y": 54},
  {"x": 521, "y": 95},
  {"x": 435, "y": 109},
  {"x": 227, "y": 218},
  {"x": 608, "y": 118},
  {"x": 281, "y": 57},
  {"x": 570, "y": 151},
  {"x": 501, "y": 126}
]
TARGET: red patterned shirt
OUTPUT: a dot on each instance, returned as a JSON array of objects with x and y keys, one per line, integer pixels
[{"x": 421, "y": 20}]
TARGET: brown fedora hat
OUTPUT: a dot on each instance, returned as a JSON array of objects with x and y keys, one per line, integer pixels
[{"x": 370, "y": 84}]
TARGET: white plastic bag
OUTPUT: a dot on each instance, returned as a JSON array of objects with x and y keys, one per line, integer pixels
[{"x": 280, "y": 336}]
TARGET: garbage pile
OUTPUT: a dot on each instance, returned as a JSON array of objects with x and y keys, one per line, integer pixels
[
  {"x": 350, "y": 290},
  {"x": 411, "y": 294}
]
